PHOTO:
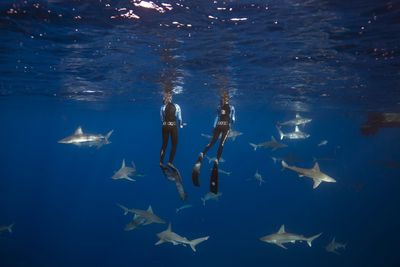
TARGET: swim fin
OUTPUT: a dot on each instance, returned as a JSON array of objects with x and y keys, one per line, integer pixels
[
  {"x": 196, "y": 171},
  {"x": 214, "y": 179}
]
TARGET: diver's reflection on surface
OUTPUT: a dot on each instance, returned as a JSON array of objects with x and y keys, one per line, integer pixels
[{"x": 377, "y": 120}]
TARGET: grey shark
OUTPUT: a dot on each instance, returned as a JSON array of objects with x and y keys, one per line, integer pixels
[
  {"x": 211, "y": 196},
  {"x": 297, "y": 134},
  {"x": 221, "y": 160},
  {"x": 313, "y": 173},
  {"x": 183, "y": 207},
  {"x": 281, "y": 237},
  {"x": 299, "y": 120},
  {"x": 79, "y": 138},
  {"x": 6, "y": 228},
  {"x": 258, "y": 177},
  {"x": 174, "y": 238},
  {"x": 231, "y": 135},
  {"x": 148, "y": 214},
  {"x": 272, "y": 144},
  {"x": 224, "y": 172},
  {"x": 333, "y": 246},
  {"x": 135, "y": 223},
  {"x": 125, "y": 172}
]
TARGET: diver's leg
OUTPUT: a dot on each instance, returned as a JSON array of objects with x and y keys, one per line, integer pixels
[
  {"x": 197, "y": 165},
  {"x": 214, "y": 172},
  {"x": 164, "y": 133},
  {"x": 174, "y": 143}
]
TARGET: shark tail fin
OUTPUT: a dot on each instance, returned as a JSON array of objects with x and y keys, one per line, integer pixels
[
  {"x": 125, "y": 209},
  {"x": 197, "y": 241},
  {"x": 281, "y": 134},
  {"x": 284, "y": 164},
  {"x": 108, "y": 135},
  {"x": 9, "y": 228},
  {"x": 254, "y": 146},
  {"x": 311, "y": 239}
]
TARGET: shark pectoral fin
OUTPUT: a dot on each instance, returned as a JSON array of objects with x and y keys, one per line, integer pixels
[
  {"x": 280, "y": 245},
  {"x": 301, "y": 175},
  {"x": 316, "y": 183},
  {"x": 159, "y": 242},
  {"x": 175, "y": 243},
  {"x": 147, "y": 222},
  {"x": 130, "y": 179}
]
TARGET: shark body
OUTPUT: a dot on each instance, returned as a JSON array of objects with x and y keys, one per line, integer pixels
[
  {"x": 6, "y": 228},
  {"x": 125, "y": 172},
  {"x": 333, "y": 246},
  {"x": 298, "y": 120},
  {"x": 147, "y": 215},
  {"x": 79, "y": 138},
  {"x": 211, "y": 196},
  {"x": 175, "y": 239},
  {"x": 281, "y": 237},
  {"x": 297, "y": 134},
  {"x": 272, "y": 144},
  {"x": 314, "y": 173}
]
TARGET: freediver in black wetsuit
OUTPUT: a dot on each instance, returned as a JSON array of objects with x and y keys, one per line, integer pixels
[
  {"x": 225, "y": 117},
  {"x": 170, "y": 114}
]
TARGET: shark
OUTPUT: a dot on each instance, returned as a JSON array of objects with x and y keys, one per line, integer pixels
[
  {"x": 79, "y": 138},
  {"x": 333, "y": 246},
  {"x": 313, "y": 173},
  {"x": 258, "y": 177},
  {"x": 148, "y": 214},
  {"x": 125, "y": 172},
  {"x": 281, "y": 237},
  {"x": 6, "y": 228},
  {"x": 273, "y": 144},
  {"x": 224, "y": 172},
  {"x": 231, "y": 135},
  {"x": 174, "y": 238},
  {"x": 183, "y": 207},
  {"x": 135, "y": 223},
  {"x": 221, "y": 160},
  {"x": 298, "y": 120},
  {"x": 211, "y": 196},
  {"x": 297, "y": 134}
]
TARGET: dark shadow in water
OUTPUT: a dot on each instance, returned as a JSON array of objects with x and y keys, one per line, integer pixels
[{"x": 378, "y": 120}]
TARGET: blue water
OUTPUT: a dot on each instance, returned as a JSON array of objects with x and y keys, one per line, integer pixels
[{"x": 65, "y": 64}]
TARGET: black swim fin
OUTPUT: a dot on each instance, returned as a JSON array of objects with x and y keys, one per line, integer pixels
[
  {"x": 214, "y": 179},
  {"x": 196, "y": 171}
]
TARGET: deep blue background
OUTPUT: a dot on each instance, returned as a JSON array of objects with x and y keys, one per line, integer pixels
[{"x": 332, "y": 61}]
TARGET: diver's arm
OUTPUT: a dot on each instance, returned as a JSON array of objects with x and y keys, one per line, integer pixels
[
  {"x": 233, "y": 118},
  {"x": 178, "y": 114},
  {"x": 162, "y": 113}
]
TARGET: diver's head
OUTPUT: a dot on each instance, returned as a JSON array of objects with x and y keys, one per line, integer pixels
[{"x": 167, "y": 98}]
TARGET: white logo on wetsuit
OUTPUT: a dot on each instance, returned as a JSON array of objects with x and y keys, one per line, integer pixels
[{"x": 223, "y": 112}]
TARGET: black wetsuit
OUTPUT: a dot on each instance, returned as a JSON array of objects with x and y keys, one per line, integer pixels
[{"x": 169, "y": 128}]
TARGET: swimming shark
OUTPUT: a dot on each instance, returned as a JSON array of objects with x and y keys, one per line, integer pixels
[
  {"x": 297, "y": 134},
  {"x": 79, "y": 138},
  {"x": 231, "y": 135},
  {"x": 313, "y": 173},
  {"x": 6, "y": 228},
  {"x": 258, "y": 177},
  {"x": 224, "y": 172},
  {"x": 333, "y": 246},
  {"x": 174, "y": 238},
  {"x": 273, "y": 144},
  {"x": 125, "y": 172},
  {"x": 281, "y": 237},
  {"x": 148, "y": 214},
  {"x": 221, "y": 160},
  {"x": 135, "y": 223},
  {"x": 211, "y": 196},
  {"x": 183, "y": 207},
  {"x": 299, "y": 120}
]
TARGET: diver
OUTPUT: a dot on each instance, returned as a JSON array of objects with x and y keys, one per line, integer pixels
[
  {"x": 170, "y": 114},
  {"x": 222, "y": 124}
]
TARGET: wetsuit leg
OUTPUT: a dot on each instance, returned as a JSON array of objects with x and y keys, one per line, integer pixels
[
  {"x": 214, "y": 172},
  {"x": 174, "y": 142},
  {"x": 164, "y": 143},
  {"x": 214, "y": 139}
]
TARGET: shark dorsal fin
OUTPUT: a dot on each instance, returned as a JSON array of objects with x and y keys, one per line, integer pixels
[
  {"x": 150, "y": 209},
  {"x": 316, "y": 166},
  {"x": 296, "y": 129},
  {"x": 78, "y": 131},
  {"x": 123, "y": 163},
  {"x": 169, "y": 227},
  {"x": 298, "y": 115},
  {"x": 282, "y": 229}
]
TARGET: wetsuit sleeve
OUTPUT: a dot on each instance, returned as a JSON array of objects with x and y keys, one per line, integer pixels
[
  {"x": 233, "y": 118},
  {"x": 162, "y": 113},
  {"x": 178, "y": 114}
]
